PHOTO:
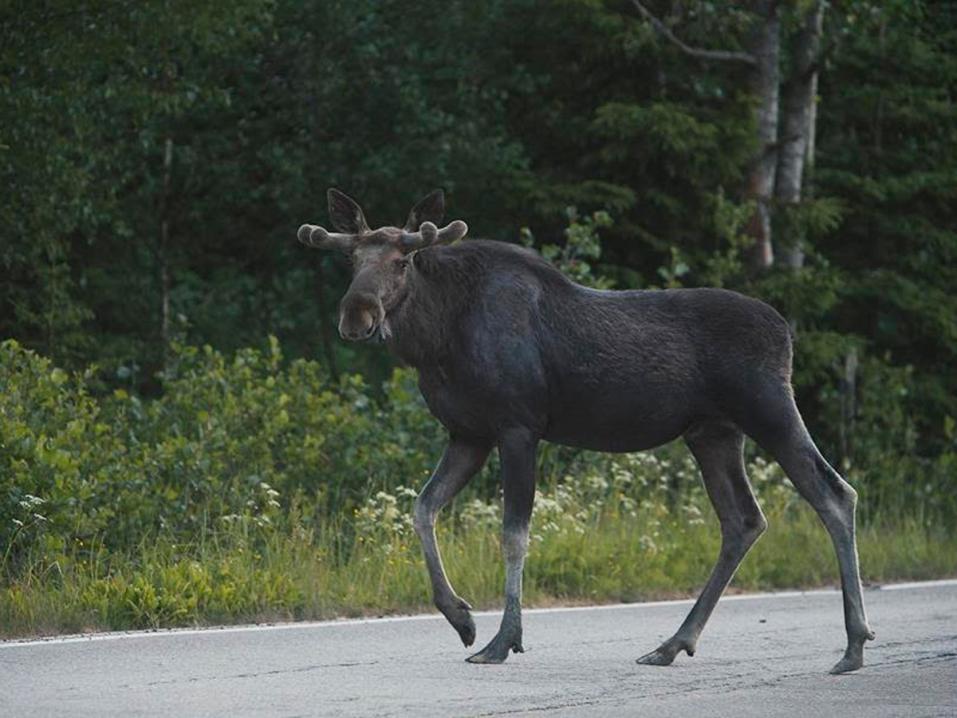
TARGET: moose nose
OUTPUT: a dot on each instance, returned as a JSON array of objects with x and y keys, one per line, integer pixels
[
  {"x": 355, "y": 335},
  {"x": 357, "y": 328},
  {"x": 359, "y": 315}
]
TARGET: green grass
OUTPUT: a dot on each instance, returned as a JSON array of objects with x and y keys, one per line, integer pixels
[
  {"x": 252, "y": 489},
  {"x": 253, "y": 574}
]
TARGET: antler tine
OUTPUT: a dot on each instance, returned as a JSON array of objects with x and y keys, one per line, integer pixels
[
  {"x": 453, "y": 231},
  {"x": 320, "y": 238},
  {"x": 429, "y": 234}
]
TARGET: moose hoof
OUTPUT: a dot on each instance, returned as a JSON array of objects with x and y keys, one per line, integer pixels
[
  {"x": 851, "y": 661},
  {"x": 497, "y": 651},
  {"x": 657, "y": 658},
  {"x": 847, "y": 664},
  {"x": 466, "y": 631},
  {"x": 665, "y": 654},
  {"x": 457, "y": 613},
  {"x": 853, "y": 656}
]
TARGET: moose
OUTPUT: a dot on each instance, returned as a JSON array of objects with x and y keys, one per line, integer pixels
[{"x": 510, "y": 352}]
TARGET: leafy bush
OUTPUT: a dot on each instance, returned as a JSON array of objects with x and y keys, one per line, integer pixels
[
  {"x": 253, "y": 487},
  {"x": 228, "y": 438}
]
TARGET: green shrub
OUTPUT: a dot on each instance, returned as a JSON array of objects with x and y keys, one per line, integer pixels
[
  {"x": 257, "y": 488},
  {"x": 228, "y": 438}
]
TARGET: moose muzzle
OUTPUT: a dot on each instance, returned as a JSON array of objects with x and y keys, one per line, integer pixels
[{"x": 360, "y": 315}]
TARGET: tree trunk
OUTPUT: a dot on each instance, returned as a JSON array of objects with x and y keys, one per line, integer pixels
[
  {"x": 809, "y": 156},
  {"x": 798, "y": 125},
  {"x": 765, "y": 86}
]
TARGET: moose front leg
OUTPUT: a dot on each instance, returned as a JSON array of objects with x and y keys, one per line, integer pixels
[
  {"x": 460, "y": 462},
  {"x": 517, "y": 453}
]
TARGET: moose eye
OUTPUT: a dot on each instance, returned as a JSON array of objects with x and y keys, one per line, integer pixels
[{"x": 401, "y": 264}]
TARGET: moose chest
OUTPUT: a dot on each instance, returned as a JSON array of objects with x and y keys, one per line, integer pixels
[
  {"x": 456, "y": 402},
  {"x": 471, "y": 402}
]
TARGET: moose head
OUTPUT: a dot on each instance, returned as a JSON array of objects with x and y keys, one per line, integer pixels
[{"x": 381, "y": 258}]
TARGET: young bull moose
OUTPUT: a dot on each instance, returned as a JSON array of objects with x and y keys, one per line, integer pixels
[{"x": 510, "y": 353}]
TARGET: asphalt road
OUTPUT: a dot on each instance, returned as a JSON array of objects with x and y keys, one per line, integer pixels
[{"x": 760, "y": 656}]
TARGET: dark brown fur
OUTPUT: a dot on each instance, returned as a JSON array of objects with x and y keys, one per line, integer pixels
[{"x": 510, "y": 352}]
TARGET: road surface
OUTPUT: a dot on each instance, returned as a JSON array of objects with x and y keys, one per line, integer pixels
[{"x": 760, "y": 656}]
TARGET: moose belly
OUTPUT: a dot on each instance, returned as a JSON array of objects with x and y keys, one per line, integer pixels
[{"x": 613, "y": 418}]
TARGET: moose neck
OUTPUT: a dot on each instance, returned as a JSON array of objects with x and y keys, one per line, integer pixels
[{"x": 422, "y": 325}]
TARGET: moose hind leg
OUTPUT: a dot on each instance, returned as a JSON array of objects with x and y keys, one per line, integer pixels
[
  {"x": 835, "y": 502},
  {"x": 461, "y": 461},
  {"x": 718, "y": 449},
  {"x": 517, "y": 452}
]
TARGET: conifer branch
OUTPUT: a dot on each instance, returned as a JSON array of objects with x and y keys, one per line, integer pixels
[{"x": 700, "y": 53}]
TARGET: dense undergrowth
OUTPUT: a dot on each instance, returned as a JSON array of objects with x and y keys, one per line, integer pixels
[{"x": 255, "y": 489}]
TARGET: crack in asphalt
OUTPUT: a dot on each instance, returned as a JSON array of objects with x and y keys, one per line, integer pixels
[
  {"x": 255, "y": 674},
  {"x": 724, "y": 684},
  {"x": 721, "y": 684},
  {"x": 583, "y": 667},
  {"x": 540, "y": 709}
]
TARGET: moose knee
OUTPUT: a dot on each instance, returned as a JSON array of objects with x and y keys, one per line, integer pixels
[
  {"x": 844, "y": 494},
  {"x": 847, "y": 494},
  {"x": 841, "y": 503},
  {"x": 755, "y": 526},
  {"x": 740, "y": 534}
]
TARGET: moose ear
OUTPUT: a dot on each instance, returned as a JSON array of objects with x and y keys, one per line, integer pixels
[
  {"x": 430, "y": 209},
  {"x": 346, "y": 214}
]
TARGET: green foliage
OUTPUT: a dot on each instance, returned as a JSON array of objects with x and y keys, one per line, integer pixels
[
  {"x": 887, "y": 153},
  {"x": 225, "y": 435},
  {"x": 581, "y": 250},
  {"x": 517, "y": 112},
  {"x": 622, "y": 528},
  {"x": 254, "y": 487},
  {"x": 131, "y": 435}
]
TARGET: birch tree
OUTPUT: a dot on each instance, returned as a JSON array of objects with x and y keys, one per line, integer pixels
[{"x": 784, "y": 130}]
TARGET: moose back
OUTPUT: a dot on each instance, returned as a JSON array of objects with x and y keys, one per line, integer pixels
[{"x": 510, "y": 353}]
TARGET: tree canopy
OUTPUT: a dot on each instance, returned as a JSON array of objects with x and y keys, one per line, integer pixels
[{"x": 156, "y": 159}]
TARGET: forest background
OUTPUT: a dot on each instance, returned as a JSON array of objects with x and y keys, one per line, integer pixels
[{"x": 183, "y": 437}]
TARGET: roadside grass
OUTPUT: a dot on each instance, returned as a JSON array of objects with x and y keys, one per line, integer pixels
[
  {"x": 256, "y": 489},
  {"x": 247, "y": 574}
]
